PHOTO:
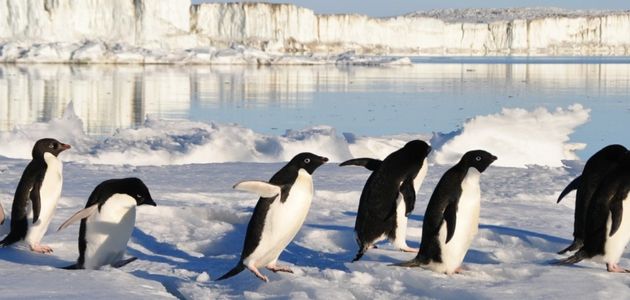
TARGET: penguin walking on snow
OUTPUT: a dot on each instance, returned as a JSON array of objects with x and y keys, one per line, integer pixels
[
  {"x": 107, "y": 222},
  {"x": 607, "y": 230},
  {"x": 279, "y": 214},
  {"x": 451, "y": 220},
  {"x": 36, "y": 196},
  {"x": 389, "y": 196},
  {"x": 595, "y": 169}
]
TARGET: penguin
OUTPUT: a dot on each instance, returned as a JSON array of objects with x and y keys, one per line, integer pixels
[
  {"x": 389, "y": 196},
  {"x": 451, "y": 219},
  {"x": 596, "y": 167},
  {"x": 107, "y": 222},
  {"x": 39, "y": 187},
  {"x": 278, "y": 216},
  {"x": 607, "y": 230}
]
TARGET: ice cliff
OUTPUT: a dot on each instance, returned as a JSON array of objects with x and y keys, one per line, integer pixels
[{"x": 153, "y": 31}]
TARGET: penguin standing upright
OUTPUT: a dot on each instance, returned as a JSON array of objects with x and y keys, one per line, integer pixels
[
  {"x": 389, "y": 196},
  {"x": 451, "y": 220},
  {"x": 595, "y": 169},
  {"x": 279, "y": 214},
  {"x": 107, "y": 222},
  {"x": 607, "y": 230},
  {"x": 39, "y": 188}
]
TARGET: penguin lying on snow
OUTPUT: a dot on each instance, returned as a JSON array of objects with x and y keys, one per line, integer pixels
[
  {"x": 280, "y": 212},
  {"x": 107, "y": 222},
  {"x": 451, "y": 220},
  {"x": 596, "y": 168},
  {"x": 39, "y": 188},
  {"x": 389, "y": 196},
  {"x": 607, "y": 230}
]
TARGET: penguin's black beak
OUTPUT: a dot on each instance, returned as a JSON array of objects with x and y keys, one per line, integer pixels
[
  {"x": 64, "y": 147},
  {"x": 149, "y": 202},
  {"x": 324, "y": 159},
  {"x": 494, "y": 158}
]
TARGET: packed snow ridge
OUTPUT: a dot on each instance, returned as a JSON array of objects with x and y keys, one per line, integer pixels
[
  {"x": 517, "y": 136},
  {"x": 152, "y": 31}
]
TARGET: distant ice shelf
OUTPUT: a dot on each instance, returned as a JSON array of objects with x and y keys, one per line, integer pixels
[{"x": 152, "y": 31}]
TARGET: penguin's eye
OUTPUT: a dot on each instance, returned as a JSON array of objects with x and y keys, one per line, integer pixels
[
  {"x": 139, "y": 196},
  {"x": 478, "y": 158},
  {"x": 307, "y": 160},
  {"x": 51, "y": 146}
]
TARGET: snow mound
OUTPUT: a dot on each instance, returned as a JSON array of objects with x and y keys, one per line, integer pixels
[{"x": 517, "y": 136}]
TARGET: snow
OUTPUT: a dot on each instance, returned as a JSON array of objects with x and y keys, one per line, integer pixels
[
  {"x": 152, "y": 31},
  {"x": 195, "y": 233}
]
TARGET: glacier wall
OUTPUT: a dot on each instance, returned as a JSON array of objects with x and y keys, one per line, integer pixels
[{"x": 174, "y": 31}]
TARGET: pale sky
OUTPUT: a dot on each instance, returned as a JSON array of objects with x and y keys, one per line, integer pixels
[{"x": 384, "y": 8}]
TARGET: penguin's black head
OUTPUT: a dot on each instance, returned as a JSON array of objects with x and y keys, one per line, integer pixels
[
  {"x": 418, "y": 148},
  {"x": 477, "y": 159},
  {"x": 135, "y": 188},
  {"x": 308, "y": 161},
  {"x": 51, "y": 146},
  {"x": 614, "y": 152}
]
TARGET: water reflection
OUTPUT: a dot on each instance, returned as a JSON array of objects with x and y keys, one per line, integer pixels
[{"x": 366, "y": 100}]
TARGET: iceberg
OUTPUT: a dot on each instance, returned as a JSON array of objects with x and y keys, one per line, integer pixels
[{"x": 152, "y": 31}]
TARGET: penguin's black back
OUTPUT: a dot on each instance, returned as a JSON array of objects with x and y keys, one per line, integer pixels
[{"x": 606, "y": 200}]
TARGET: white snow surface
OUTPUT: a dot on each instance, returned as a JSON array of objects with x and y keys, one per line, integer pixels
[
  {"x": 517, "y": 136},
  {"x": 196, "y": 232},
  {"x": 153, "y": 31}
]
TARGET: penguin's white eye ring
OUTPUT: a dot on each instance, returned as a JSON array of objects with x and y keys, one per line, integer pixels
[
  {"x": 478, "y": 158},
  {"x": 51, "y": 146},
  {"x": 307, "y": 160}
]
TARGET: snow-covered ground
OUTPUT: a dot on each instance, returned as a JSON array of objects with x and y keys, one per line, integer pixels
[{"x": 195, "y": 233}]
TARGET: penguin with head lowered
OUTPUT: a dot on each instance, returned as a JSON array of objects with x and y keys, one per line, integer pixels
[
  {"x": 595, "y": 169},
  {"x": 451, "y": 220},
  {"x": 107, "y": 222},
  {"x": 36, "y": 196},
  {"x": 389, "y": 196},
  {"x": 278, "y": 216},
  {"x": 607, "y": 230}
]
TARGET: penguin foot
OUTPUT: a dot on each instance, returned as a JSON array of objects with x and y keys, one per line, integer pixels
[
  {"x": 409, "y": 249},
  {"x": 614, "y": 268},
  {"x": 279, "y": 268},
  {"x": 41, "y": 249},
  {"x": 460, "y": 270},
  {"x": 258, "y": 274}
]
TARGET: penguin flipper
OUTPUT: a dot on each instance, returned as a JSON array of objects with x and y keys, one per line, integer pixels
[
  {"x": 36, "y": 199},
  {"x": 572, "y": 186},
  {"x": 450, "y": 216},
  {"x": 261, "y": 188},
  {"x": 616, "y": 214},
  {"x": 369, "y": 163},
  {"x": 82, "y": 214},
  {"x": 409, "y": 194},
  {"x": 238, "y": 269}
]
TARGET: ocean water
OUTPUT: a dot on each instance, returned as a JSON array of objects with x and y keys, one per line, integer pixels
[{"x": 432, "y": 95}]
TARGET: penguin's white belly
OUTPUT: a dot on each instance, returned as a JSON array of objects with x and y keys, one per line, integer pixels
[
  {"x": 466, "y": 226},
  {"x": 401, "y": 208},
  {"x": 108, "y": 231},
  {"x": 616, "y": 244},
  {"x": 49, "y": 193},
  {"x": 283, "y": 221}
]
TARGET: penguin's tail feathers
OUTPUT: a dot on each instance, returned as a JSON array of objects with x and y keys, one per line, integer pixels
[
  {"x": 573, "y": 259},
  {"x": 577, "y": 244},
  {"x": 71, "y": 267},
  {"x": 238, "y": 269},
  {"x": 409, "y": 264},
  {"x": 10, "y": 239}
]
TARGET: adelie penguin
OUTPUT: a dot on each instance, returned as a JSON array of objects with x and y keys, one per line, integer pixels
[
  {"x": 36, "y": 196},
  {"x": 389, "y": 196},
  {"x": 607, "y": 230},
  {"x": 451, "y": 220},
  {"x": 278, "y": 216},
  {"x": 107, "y": 222},
  {"x": 595, "y": 169}
]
